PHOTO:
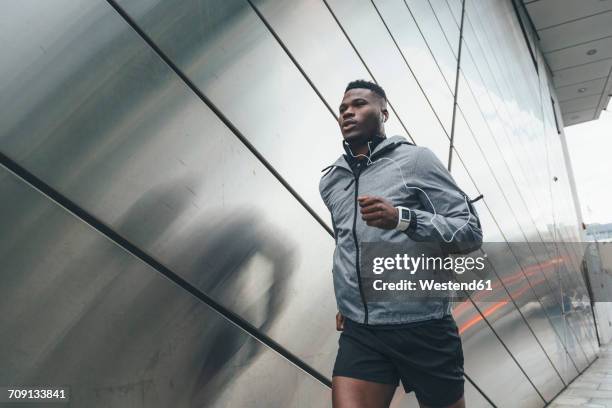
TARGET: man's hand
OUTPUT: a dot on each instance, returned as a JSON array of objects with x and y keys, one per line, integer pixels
[
  {"x": 339, "y": 322},
  {"x": 378, "y": 212}
]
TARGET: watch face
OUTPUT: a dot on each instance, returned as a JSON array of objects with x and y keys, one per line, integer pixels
[{"x": 404, "y": 214}]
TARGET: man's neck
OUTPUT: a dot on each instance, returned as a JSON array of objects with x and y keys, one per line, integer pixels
[{"x": 361, "y": 150}]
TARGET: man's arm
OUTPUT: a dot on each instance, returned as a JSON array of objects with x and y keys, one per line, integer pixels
[
  {"x": 456, "y": 225},
  {"x": 339, "y": 317}
]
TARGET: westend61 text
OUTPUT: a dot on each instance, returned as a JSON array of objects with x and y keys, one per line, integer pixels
[{"x": 431, "y": 284}]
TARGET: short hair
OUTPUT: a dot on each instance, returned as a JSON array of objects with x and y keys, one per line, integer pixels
[{"x": 362, "y": 83}]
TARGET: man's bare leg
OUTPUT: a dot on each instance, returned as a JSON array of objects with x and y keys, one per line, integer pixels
[
  {"x": 460, "y": 403},
  {"x": 353, "y": 393}
]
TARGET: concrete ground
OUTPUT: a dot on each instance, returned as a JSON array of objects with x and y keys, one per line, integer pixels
[{"x": 593, "y": 388}]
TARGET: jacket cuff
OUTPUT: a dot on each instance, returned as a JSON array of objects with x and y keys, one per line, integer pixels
[{"x": 412, "y": 225}]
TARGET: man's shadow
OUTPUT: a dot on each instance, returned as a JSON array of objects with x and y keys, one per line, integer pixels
[
  {"x": 138, "y": 333},
  {"x": 214, "y": 260}
]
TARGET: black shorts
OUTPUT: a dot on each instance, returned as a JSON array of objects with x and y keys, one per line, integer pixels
[{"x": 427, "y": 356}]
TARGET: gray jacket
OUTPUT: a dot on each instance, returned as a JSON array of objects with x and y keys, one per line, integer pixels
[{"x": 339, "y": 188}]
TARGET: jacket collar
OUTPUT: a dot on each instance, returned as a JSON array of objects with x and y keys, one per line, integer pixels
[
  {"x": 342, "y": 160},
  {"x": 352, "y": 160}
]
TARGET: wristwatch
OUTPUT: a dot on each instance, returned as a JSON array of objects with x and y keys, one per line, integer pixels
[{"x": 404, "y": 218}]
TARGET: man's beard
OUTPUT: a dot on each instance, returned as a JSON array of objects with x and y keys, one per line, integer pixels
[{"x": 363, "y": 139}]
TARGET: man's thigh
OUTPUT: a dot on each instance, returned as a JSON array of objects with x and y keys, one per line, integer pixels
[{"x": 350, "y": 392}]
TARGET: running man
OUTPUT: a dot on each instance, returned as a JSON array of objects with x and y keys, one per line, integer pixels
[{"x": 384, "y": 342}]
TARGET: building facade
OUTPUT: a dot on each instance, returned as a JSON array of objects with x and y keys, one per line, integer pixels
[{"x": 163, "y": 241}]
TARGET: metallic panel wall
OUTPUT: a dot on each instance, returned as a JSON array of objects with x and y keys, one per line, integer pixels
[
  {"x": 78, "y": 310},
  {"x": 196, "y": 131}
]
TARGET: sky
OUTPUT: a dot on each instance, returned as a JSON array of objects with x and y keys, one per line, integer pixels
[{"x": 590, "y": 149}]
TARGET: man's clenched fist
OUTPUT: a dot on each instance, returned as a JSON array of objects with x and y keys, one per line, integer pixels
[
  {"x": 339, "y": 322},
  {"x": 378, "y": 212}
]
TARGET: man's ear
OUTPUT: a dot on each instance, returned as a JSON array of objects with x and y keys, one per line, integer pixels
[{"x": 385, "y": 113}]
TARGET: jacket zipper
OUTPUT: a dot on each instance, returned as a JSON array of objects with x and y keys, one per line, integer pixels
[
  {"x": 365, "y": 306},
  {"x": 356, "y": 178}
]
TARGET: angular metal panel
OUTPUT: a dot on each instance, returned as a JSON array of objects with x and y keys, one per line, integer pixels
[
  {"x": 534, "y": 145},
  {"x": 484, "y": 355},
  {"x": 443, "y": 48},
  {"x": 417, "y": 51},
  {"x": 125, "y": 139},
  {"x": 80, "y": 311},
  {"x": 377, "y": 48},
  {"x": 535, "y": 357},
  {"x": 303, "y": 26},
  {"x": 483, "y": 178},
  {"x": 228, "y": 53}
]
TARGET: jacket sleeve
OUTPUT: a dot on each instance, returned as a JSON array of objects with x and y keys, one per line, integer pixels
[
  {"x": 323, "y": 193},
  {"x": 455, "y": 224}
]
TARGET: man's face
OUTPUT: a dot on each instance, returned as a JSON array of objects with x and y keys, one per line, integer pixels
[{"x": 361, "y": 115}]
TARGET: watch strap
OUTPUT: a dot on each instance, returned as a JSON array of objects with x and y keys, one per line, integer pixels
[{"x": 403, "y": 221}]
